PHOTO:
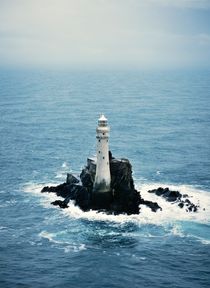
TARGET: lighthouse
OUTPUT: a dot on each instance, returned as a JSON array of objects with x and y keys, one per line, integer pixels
[{"x": 101, "y": 189}]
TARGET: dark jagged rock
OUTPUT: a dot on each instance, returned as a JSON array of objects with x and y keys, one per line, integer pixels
[
  {"x": 121, "y": 174},
  {"x": 176, "y": 197},
  {"x": 74, "y": 192},
  {"x": 189, "y": 206},
  {"x": 125, "y": 201},
  {"x": 60, "y": 203},
  {"x": 110, "y": 156},
  {"x": 125, "y": 198},
  {"x": 82, "y": 197},
  {"x": 122, "y": 197},
  {"x": 87, "y": 178},
  {"x": 170, "y": 196},
  {"x": 62, "y": 190},
  {"x": 71, "y": 179},
  {"x": 152, "y": 205},
  {"x": 181, "y": 204}
]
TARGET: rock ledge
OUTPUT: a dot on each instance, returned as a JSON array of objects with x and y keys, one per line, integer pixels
[{"x": 122, "y": 197}]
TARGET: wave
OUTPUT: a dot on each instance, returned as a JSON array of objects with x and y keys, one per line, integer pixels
[
  {"x": 2, "y": 228},
  {"x": 66, "y": 245},
  {"x": 45, "y": 198},
  {"x": 170, "y": 211},
  {"x": 61, "y": 173},
  {"x": 171, "y": 221},
  {"x": 7, "y": 203}
]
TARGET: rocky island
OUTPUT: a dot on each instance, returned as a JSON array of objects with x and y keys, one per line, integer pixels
[{"x": 106, "y": 184}]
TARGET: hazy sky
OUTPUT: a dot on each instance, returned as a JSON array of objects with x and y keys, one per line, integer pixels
[{"x": 105, "y": 33}]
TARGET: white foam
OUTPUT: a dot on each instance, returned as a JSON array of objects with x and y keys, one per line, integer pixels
[
  {"x": 64, "y": 165},
  {"x": 172, "y": 220},
  {"x": 205, "y": 242},
  {"x": 177, "y": 230},
  {"x": 46, "y": 198},
  {"x": 74, "y": 247},
  {"x": 35, "y": 188},
  {"x": 92, "y": 215},
  {"x": 61, "y": 173},
  {"x": 51, "y": 237},
  {"x": 3, "y": 227},
  {"x": 47, "y": 235},
  {"x": 169, "y": 214},
  {"x": 7, "y": 203}
]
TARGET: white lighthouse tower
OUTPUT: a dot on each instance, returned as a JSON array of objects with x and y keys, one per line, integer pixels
[{"x": 102, "y": 177}]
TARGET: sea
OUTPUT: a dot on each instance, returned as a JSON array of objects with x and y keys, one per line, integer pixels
[{"x": 160, "y": 121}]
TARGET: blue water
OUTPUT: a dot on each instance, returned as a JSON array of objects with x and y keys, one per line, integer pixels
[{"x": 160, "y": 121}]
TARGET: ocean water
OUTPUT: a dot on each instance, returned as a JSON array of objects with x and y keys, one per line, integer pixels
[{"x": 159, "y": 121}]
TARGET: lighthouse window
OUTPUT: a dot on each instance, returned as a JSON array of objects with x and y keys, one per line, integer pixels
[
  {"x": 99, "y": 152},
  {"x": 103, "y": 158},
  {"x": 99, "y": 140},
  {"x": 103, "y": 133}
]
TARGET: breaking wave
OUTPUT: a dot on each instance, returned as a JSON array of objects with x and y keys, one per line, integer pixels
[
  {"x": 171, "y": 221},
  {"x": 66, "y": 245},
  {"x": 170, "y": 211}
]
